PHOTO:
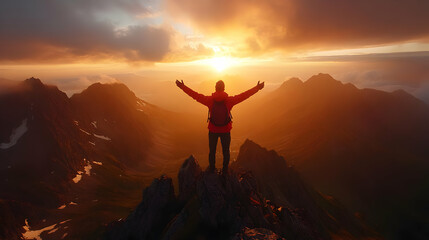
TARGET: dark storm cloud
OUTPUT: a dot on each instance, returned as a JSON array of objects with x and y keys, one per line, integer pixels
[
  {"x": 70, "y": 30},
  {"x": 310, "y": 24}
]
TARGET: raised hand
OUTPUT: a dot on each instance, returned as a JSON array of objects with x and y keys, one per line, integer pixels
[
  {"x": 260, "y": 85},
  {"x": 180, "y": 84}
]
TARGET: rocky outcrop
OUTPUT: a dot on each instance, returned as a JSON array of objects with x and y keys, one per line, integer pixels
[
  {"x": 304, "y": 212},
  {"x": 146, "y": 221},
  {"x": 214, "y": 206},
  {"x": 188, "y": 175},
  {"x": 257, "y": 234}
]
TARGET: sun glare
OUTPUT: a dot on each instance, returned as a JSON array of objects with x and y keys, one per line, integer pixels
[{"x": 220, "y": 63}]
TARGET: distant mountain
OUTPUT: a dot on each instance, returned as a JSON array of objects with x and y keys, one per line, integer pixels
[
  {"x": 238, "y": 205},
  {"x": 65, "y": 161},
  {"x": 38, "y": 142},
  {"x": 368, "y": 148}
]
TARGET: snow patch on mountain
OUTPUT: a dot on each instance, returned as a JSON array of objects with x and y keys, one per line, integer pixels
[
  {"x": 141, "y": 103},
  {"x": 94, "y": 123},
  {"x": 16, "y": 135},
  {"x": 87, "y": 168},
  {"x": 35, "y": 234},
  {"x": 95, "y": 135},
  {"x": 102, "y": 137},
  {"x": 78, "y": 177},
  {"x": 62, "y": 207},
  {"x": 65, "y": 205},
  {"x": 87, "y": 133}
]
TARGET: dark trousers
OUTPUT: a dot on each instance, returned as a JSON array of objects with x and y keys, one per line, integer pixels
[{"x": 225, "y": 139}]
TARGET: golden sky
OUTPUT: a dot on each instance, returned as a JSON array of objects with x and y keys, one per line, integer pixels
[{"x": 379, "y": 43}]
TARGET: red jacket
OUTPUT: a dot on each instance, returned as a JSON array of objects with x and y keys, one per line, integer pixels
[{"x": 220, "y": 96}]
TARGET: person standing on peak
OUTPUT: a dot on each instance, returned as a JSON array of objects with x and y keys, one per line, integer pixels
[{"x": 219, "y": 119}]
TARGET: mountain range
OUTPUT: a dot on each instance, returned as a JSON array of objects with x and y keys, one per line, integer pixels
[
  {"x": 354, "y": 162},
  {"x": 368, "y": 148}
]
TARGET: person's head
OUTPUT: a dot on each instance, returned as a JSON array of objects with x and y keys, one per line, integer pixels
[{"x": 220, "y": 86}]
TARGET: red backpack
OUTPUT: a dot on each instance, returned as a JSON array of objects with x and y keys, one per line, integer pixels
[{"x": 219, "y": 114}]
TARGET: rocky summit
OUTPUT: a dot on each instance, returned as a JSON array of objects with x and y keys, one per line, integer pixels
[{"x": 230, "y": 206}]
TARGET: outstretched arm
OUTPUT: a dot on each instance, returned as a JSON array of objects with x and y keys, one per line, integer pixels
[
  {"x": 197, "y": 96},
  {"x": 245, "y": 95}
]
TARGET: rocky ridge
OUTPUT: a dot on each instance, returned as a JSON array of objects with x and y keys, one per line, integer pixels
[{"x": 232, "y": 206}]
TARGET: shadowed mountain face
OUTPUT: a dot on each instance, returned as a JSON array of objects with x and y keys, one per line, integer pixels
[
  {"x": 118, "y": 119},
  {"x": 83, "y": 159},
  {"x": 368, "y": 148},
  {"x": 38, "y": 142},
  {"x": 272, "y": 203}
]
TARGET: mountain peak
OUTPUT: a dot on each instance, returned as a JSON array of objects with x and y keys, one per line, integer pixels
[
  {"x": 322, "y": 79},
  {"x": 292, "y": 82},
  {"x": 110, "y": 87},
  {"x": 33, "y": 82},
  {"x": 402, "y": 92},
  {"x": 110, "y": 91},
  {"x": 251, "y": 152}
]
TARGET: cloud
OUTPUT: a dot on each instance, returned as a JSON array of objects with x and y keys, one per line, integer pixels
[
  {"x": 384, "y": 71},
  {"x": 409, "y": 69},
  {"x": 298, "y": 25},
  {"x": 69, "y": 31},
  {"x": 188, "y": 53},
  {"x": 76, "y": 85},
  {"x": 423, "y": 92}
]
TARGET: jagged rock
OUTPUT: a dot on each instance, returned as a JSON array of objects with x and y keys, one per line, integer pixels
[
  {"x": 303, "y": 212},
  {"x": 188, "y": 175},
  {"x": 221, "y": 207},
  {"x": 233, "y": 207},
  {"x": 147, "y": 221},
  {"x": 257, "y": 234},
  {"x": 212, "y": 197}
]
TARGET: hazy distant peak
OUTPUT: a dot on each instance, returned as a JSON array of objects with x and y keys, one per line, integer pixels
[
  {"x": 401, "y": 92},
  {"x": 249, "y": 144},
  {"x": 109, "y": 89},
  {"x": 404, "y": 95},
  {"x": 41, "y": 90},
  {"x": 292, "y": 82},
  {"x": 114, "y": 86},
  {"x": 322, "y": 78},
  {"x": 251, "y": 153},
  {"x": 33, "y": 82}
]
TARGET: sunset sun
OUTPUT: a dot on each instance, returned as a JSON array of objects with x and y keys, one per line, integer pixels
[{"x": 221, "y": 63}]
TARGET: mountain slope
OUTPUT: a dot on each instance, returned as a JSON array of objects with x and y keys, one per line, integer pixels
[
  {"x": 67, "y": 162},
  {"x": 368, "y": 148},
  {"x": 38, "y": 142}
]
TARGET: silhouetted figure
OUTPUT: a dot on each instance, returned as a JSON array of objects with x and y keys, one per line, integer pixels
[{"x": 220, "y": 124}]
